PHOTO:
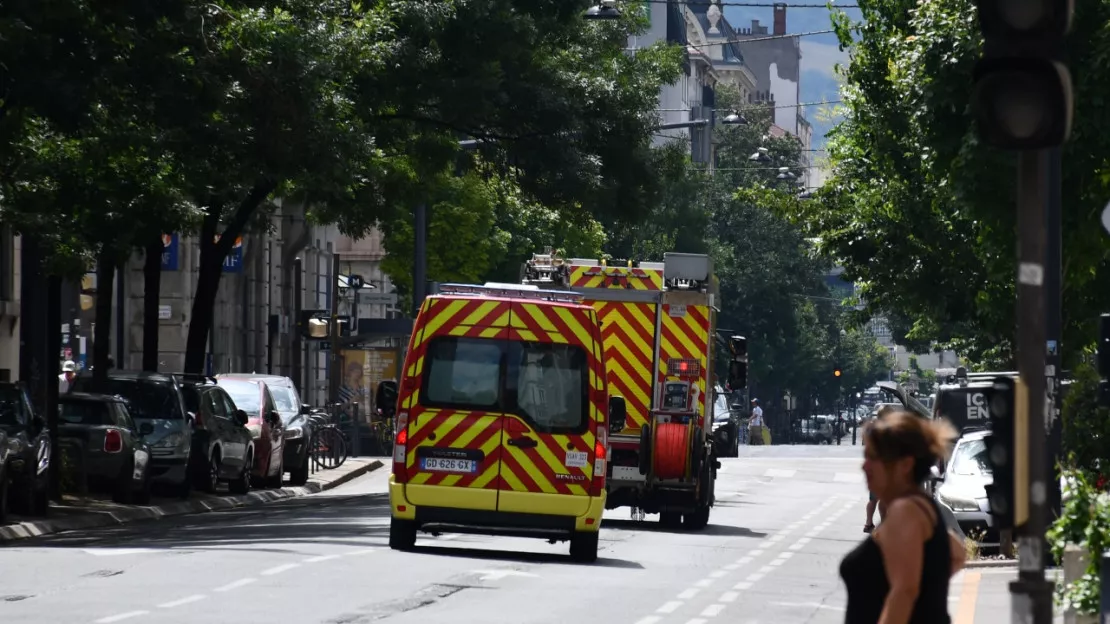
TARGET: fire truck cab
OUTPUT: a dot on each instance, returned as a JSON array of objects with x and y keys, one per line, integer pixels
[{"x": 658, "y": 331}]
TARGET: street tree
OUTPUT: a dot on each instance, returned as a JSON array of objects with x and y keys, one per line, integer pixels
[{"x": 923, "y": 215}]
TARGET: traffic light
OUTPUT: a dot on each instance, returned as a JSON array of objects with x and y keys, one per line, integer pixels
[
  {"x": 1022, "y": 97},
  {"x": 1001, "y": 402},
  {"x": 738, "y": 367},
  {"x": 1104, "y": 360},
  {"x": 836, "y": 372}
]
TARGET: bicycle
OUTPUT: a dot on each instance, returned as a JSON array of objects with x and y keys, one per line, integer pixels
[
  {"x": 329, "y": 446},
  {"x": 381, "y": 431}
]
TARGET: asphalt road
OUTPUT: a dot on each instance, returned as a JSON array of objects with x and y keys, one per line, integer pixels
[{"x": 785, "y": 517}]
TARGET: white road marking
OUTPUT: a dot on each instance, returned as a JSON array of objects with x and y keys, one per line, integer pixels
[
  {"x": 497, "y": 575},
  {"x": 704, "y": 583},
  {"x": 669, "y": 607},
  {"x": 279, "y": 569},
  {"x": 697, "y": 621},
  {"x": 717, "y": 574},
  {"x": 765, "y": 569},
  {"x": 121, "y": 616},
  {"x": 115, "y": 552},
  {"x": 808, "y": 605},
  {"x": 712, "y": 610},
  {"x": 651, "y": 619},
  {"x": 848, "y": 477},
  {"x": 689, "y": 593},
  {"x": 361, "y": 551},
  {"x": 775, "y": 472},
  {"x": 235, "y": 585},
  {"x": 183, "y": 601},
  {"x": 743, "y": 560},
  {"x": 742, "y": 585},
  {"x": 729, "y": 596},
  {"x": 755, "y": 553},
  {"x": 321, "y": 558},
  {"x": 731, "y": 567},
  {"x": 752, "y": 578},
  {"x": 774, "y": 538}
]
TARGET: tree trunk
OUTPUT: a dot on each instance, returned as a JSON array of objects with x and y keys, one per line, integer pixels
[
  {"x": 102, "y": 338},
  {"x": 152, "y": 291},
  {"x": 54, "y": 345},
  {"x": 204, "y": 303}
]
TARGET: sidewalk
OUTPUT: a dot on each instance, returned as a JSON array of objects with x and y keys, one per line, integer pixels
[
  {"x": 982, "y": 595},
  {"x": 75, "y": 513}
]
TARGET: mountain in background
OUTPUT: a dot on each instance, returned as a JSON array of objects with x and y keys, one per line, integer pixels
[{"x": 820, "y": 54}]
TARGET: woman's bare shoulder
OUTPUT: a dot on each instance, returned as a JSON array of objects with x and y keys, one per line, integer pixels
[{"x": 909, "y": 514}]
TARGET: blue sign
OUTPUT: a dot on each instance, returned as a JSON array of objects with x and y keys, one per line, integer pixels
[
  {"x": 233, "y": 263},
  {"x": 169, "y": 252}
]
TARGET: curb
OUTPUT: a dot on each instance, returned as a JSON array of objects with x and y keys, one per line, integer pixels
[
  {"x": 991, "y": 563},
  {"x": 36, "y": 528}
]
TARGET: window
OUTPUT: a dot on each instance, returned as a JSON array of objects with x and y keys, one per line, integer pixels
[
  {"x": 85, "y": 413},
  {"x": 244, "y": 393},
  {"x": 551, "y": 383},
  {"x": 229, "y": 405},
  {"x": 971, "y": 458},
  {"x": 463, "y": 373},
  {"x": 148, "y": 398},
  {"x": 286, "y": 398}
]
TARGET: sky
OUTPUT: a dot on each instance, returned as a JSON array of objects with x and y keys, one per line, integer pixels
[{"x": 820, "y": 53}]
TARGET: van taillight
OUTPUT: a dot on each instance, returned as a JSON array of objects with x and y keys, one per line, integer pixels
[
  {"x": 597, "y": 485},
  {"x": 400, "y": 472},
  {"x": 113, "y": 441}
]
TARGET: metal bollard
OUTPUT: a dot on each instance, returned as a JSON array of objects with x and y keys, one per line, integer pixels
[
  {"x": 355, "y": 433},
  {"x": 1104, "y": 586}
]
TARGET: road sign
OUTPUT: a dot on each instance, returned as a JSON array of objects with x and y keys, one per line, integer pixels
[
  {"x": 354, "y": 281},
  {"x": 378, "y": 299}
]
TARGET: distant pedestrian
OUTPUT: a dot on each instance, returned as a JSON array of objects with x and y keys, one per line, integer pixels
[
  {"x": 900, "y": 573},
  {"x": 755, "y": 425},
  {"x": 65, "y": 380}
]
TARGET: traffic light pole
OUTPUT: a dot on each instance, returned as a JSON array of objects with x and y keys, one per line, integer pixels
[
  {"x": 1031, "y": 594},
  {"x": 335, "y": 372}
]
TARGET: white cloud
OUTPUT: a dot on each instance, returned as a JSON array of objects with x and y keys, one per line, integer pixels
[{"x": 821, "y": 57}]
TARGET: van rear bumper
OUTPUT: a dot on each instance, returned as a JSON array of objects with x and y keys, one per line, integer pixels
[{"x": 432, "y": 519}]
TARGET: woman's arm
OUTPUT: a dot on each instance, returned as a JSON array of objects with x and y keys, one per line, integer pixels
[
  {"x": 901, "y": 540},
  {"x": 959, "y": 552}
]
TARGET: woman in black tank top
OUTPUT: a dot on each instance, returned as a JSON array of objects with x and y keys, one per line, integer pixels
[{"x": 900, "y": 573}]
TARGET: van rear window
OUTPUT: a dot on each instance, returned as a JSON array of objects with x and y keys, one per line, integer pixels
[{"x": 546, "y": 384}]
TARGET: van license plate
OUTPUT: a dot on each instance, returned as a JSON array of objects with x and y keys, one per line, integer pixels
[
  {"x": 440, "y": 464},
  {"x": 627, "y": 473}
]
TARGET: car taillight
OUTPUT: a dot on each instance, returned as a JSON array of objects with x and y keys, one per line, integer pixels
[
  {"x": 113, "y": 441},
  {"x": 400, "y": 472},
  {"x": 597, "y": 485}
]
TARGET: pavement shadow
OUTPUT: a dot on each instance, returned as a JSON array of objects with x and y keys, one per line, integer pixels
[
  {"x": 523, "y": 557},
  {"x": 654, "y": 526},
  {"x": 358, "y": 521}
]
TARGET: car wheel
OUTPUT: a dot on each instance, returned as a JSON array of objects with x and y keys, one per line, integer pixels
[
  {"x": 212, "y": 474},
  {"x": 402, "y": 534},
  {"x": 142, "y": 495},
  {"x": 275, "y": 480},
  {"x": 583, "y": 547},
  {"x": 242, "y": 483},
  {"x": 125, "y": 489},
  {"x": 299, "y": 475},
  {"x": 185, "y": 488},
  {"x": 3, "y": 498},
  {"x": 697, "y": 520}
]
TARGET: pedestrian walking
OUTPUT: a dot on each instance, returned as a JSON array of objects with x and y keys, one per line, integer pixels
[
  {"x": 65, "y": 380},
  {"x": 755, "y": 424},
  {"x": 872, "y": 500},
  {"x": 900, "y": 573}
]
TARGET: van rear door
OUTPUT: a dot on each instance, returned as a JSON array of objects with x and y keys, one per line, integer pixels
[
  {"x": 453, "y": 451},
  {"x": 554, "y": 385}
]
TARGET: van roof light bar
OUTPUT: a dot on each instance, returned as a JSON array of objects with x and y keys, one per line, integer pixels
[{"x": 513, "y": 291}]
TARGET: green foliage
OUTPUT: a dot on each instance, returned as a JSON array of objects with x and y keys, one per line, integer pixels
[
  {"x": 1086, "y": 423},
  {"x": 1084, "y": 522},
  {"x": 921, "y": 213}
]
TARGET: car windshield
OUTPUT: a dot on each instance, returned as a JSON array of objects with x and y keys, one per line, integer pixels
[
  {"x": 244, "y": 393},
  {"x": 84, "y": 412},
  {"x": 12, "y": 409},
  {"x": 970, "y": 458},
  {"x": 286, "y": 400},
  {"x": 150, "y": 399},
  {"x": 720, "y": 409}
]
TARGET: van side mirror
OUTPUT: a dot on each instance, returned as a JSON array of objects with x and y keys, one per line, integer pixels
[
  {"x": 241, "y": 418},
  {"x": 618, "y": 414}
]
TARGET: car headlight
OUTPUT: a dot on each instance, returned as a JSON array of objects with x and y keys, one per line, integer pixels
[
  {"x": 170, "y": 441},
  {"x": 957, "y": 503},
  {"x": 293, "y": 433}
]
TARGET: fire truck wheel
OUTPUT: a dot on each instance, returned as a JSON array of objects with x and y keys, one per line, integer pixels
[
  {"x": 697, "y": 520},
  {"x": 402, "y": 534},
  {"x": 670, "y": 519},
  {"x": 645, "y": 449},
  {"x": 583, "y": 547}
]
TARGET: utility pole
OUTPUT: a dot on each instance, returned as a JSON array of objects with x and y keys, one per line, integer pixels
[
  {"x": 419, "y": 262},
  {"x": 1023, "y": 103},
  {"x": 335, "y": 372},
  {"x": 1053, "y": 292}
]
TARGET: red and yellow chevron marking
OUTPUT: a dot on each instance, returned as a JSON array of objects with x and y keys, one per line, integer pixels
[
  {"x": 460, "y": 430},
  {"x": 686, "y": 337},
  {"x": 627, "y": 331},
  {"x": 616, "y": 277},
  {"x": 536, "y": 469}
]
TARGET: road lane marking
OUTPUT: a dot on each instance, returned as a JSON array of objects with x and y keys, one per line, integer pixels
[
  {"x": 183, "y": 601},
  {"x": 704, "y": 583},
  {"x": 732, "y": 567},
  {"x": 361, "y": 551},
  {"x": 775, "y": 472},
  {"x": 742, "y": 585},
  {"x": 717, "y": 574},
  {"x": 697, "y": 621},
  {"x": 712, "y": 610},
  {"x": 322, "y": 558},
  {"x": 651, "y": 619},
  {"x": 754, "y": 578},
  {"x": 969, "y": 593},
  {"x": 235, "y": 585},
  {"x": 848, "y": 477},
  {"x": 689, "y": 593},
  {"x": 279, "y": 569},
  {"x": 669, "y": 607},
  {"x": 120, "y": 617},
  {"x": 809, "y": 605},
  {"x": 729, "y": 596}
]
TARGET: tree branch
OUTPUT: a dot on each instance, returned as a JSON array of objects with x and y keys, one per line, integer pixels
[{"x": 242, "y": 215}]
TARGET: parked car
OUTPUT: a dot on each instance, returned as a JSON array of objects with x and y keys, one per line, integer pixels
[
  {"x": 112, "y": 452},
  {"x": 294, "y": 416},
  {"x": 223, "y": 447},
  {"x": 726, "y": 426},
  {"x": 961, "y": 486},
  {"x": 264, "y": 423},
  {"x": 27, "y": 462},
  {"x": 154, "y": 398}
]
